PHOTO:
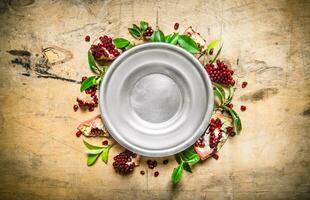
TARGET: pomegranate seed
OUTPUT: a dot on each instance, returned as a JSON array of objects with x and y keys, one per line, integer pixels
[
  {"x": 165, "y": 162},
  {"x": 215, "y": 156},
  {"x": 156, "y": 173},
  {"x": 243, "y": 108},
  {"x": 84, "y": 78},
  {"x": 176, "y": 26},
  {"x": 211, "y": 51},
  {"x": 105, "y": 142},
  {"x": 87, "y": 38},
  {"x": 75, "y": 107},
  {"x": 244, "y": 84},
  {"x": 78, "y": 134},
  {"x": 231, "y": 105},
  {"x": 232, "y": 134},
  {"x": 142, "y": 172}
]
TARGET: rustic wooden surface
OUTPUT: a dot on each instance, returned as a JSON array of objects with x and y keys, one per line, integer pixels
[{"x": 42, "y": 159}]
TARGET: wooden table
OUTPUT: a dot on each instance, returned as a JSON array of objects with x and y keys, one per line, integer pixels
[{"x": 266, "y": 42}]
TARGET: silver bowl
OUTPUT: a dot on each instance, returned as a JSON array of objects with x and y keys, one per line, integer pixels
[{"x": 156, "y": 99}]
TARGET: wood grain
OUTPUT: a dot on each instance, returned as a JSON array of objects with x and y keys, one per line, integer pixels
[{"x": 42, "y": 159}]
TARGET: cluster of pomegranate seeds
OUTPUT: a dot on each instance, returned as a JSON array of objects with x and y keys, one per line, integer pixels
[
  {"x": 176, "y": 26},
  {"x": 220, "y": 73},
  {"x": 213, "y": 140},
  {"x": 123, "y": 162},
  {"x": 104, "y": 48},
  {"x": 105, "y": 142},
  {"x": 230, "y": 131},
  {"x": 200, "y": 142},
  {"x": 87, "y": 38},
  {"x": 243, "y": 108},
  {"x": 244, "y": 84},
  {"x": 88, "y": 100},
  {"x": 148, "y": 32},
  {"x": 96, "y": 132},
  {"x": 151, "y": 163}
]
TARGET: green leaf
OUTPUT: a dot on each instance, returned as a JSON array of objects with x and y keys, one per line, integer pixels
[
  {"x": 213, "y": 44},
  {"x": 172, "y": 38},
  {"x": 136, "y": 27},
  {"x": 95, "y": 151},
  {"x": 188, "y": 44},
  {"x": 90, "y": 81},
  {"x": 217, "y": 54},
  {"x": 220, "y": 88},
  {"x": 236, "y": 119},
  {"x": 177, "y": 173},
  {"x": 178, "y": 158},
  {"x": 90, "y": 146},
  {"x": 135, "y": 33},
  {"x": 130, "y": 45},
  {"x": 121, "y": 42},
  {"x": 91, "y": 159},
  {"x": 219, "y": 95},
  {"x": 230, "y": 95},
  {"x": 193, "y": 160},
  {"x": 143, "y": 25},
  {"x": 105, "y": 154},
  {"x": 189, "y": 153},
  {"x": 158, "y": 36},
  {"x": 187, "y": 167},
  {"x": 92, "y": 63}
]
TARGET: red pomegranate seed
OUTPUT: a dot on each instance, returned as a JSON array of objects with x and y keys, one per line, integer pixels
[
  {"x": 142, "y": 172},
  {"x": 156, "y": 173},
  {"x": 232, "y": 134},
  {"x": 87, "y": 38},
  {"x": 165, "y": 162},
  {"x": 176, "y": 26},
  {"x": 244, "y": 84},
  {"x": 211, "y": 51},
  {"x": 78, "y": 134},
  {"x": 84, "y": 78},
  {"x": 75, "y": 107},
  {"x": 105, "y": 142},
  {"x": 243, "y": 108},
  {"x": 215, "y": 156}
]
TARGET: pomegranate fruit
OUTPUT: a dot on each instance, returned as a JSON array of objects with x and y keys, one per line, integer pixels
[
  {"x": 88, "y": 99},
  {"x": 220, "y": 73},
  {"x": 215, "y": 136},
  {"x": 125, "y": 162},
  {"x": 104, "y": 49},
  {"x": 196, "y": 37},
  {"x": 93, "y": 128}
]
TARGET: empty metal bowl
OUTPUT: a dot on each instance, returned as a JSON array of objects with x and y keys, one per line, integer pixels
[{"x": 156, "y": 99}]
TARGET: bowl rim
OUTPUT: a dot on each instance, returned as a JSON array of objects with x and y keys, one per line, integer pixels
[{"x": 199, "y": 131}]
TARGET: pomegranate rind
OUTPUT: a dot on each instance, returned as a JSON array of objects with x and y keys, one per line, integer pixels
[
  {"x": 87, "y": 126},
  {"x": 206, "y": 152},
  {"x": 86, "y": 98}
]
